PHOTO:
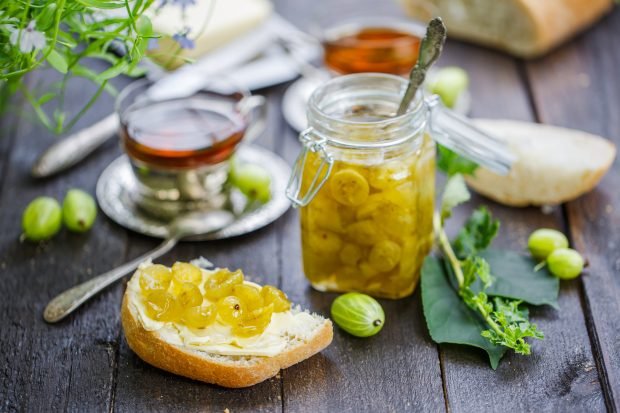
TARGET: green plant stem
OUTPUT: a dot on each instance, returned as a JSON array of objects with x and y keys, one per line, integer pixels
[
  {"x": 88, "y": 105},
  {"x": 444, "y": 242},
  {"x": 455, "y": 263}
]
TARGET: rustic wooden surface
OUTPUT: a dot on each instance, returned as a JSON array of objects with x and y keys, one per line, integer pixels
[{"x": 84, "y": 364}]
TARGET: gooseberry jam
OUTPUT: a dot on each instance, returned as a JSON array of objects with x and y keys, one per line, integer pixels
[
  {"x": 369, "y": 227},
  {"x": 368, "y": 180},
  {"x": 185, "y": 296}
]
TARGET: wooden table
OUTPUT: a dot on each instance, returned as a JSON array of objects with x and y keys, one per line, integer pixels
[{"x": 83, "y": 364}]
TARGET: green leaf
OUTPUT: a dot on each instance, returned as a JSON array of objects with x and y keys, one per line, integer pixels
[
  {"x": 454, "y": 193},
  {"x": 91, "y": 75},
  {"x": 46, "y": 17},
  {"x": 448, "y": 319},
  {"x": 476, "y": 268},
  {"x": 113, "y": 71},
  {"x": 514, "y": 277},
  {"x": 144, "y": 26},
  {"x": 137, "y": 71},
  {"x": 46, "y": 98},
  {"x": 451, "y": 163},
  {"x": 103, "y": 4},
  {"x": 66, "y": 40},
  {"x": 477, "y": 234},
  {"x": 57, "y": 61}
]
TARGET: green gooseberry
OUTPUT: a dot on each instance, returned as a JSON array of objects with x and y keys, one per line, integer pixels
[
  {"x": 42, "y": 219},
  {"x": 449, "y": 83},
  {"x": 358, "y": 314},
  {"x": 79, "y": 210},
  {"x": 565, "y": 263},
  {"x": 544, "y": 241},
  {"x": 252, "y": 180}
]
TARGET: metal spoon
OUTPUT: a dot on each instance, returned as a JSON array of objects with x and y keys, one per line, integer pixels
[
  {"x": 195, "y": 223},
  {"x": 430, "y": 50}
]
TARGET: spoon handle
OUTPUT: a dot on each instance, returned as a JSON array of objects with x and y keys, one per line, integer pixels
[
  {"x": 65, "y": 303},
  {"x": 430, "y": 50}
]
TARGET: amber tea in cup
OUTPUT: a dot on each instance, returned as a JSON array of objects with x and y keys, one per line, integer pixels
[
  {"x": 179, "y": 148},
  {"x": 182, "y": 133},
  {"x": 384, "y": 46}
]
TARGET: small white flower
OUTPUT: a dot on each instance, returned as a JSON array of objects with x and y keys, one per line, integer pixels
[{"x": 29, "y": 40}]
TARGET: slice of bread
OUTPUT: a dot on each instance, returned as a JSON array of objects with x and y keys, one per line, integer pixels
[
  {"x": 223, "y": 370},
  {"x": 554, "y": 165},
  {"x": 526, "y": 28}
]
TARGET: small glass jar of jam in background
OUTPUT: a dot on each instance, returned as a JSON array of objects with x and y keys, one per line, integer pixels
[
  {"x": 365, "y": 182},
  {"x": 179, "y": 147},
  {"x": 356, "y": 41},
  {"x": 372, "y": 44}
]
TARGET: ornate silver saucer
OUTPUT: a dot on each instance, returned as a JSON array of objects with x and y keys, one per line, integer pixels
[{"x": 117, "y": 184}]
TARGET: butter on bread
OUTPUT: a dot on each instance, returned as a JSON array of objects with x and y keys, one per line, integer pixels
[
  {"x": 525, "y": 28},
  {"x": 554, "y": 164},
  {"x": 214, "y": 22},
  {"x": 161, "y": 350}
]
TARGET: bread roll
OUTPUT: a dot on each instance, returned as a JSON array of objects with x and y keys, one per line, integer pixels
[
  {"x": 554, "y": 165},
  {"x": 525, "y": 28}
]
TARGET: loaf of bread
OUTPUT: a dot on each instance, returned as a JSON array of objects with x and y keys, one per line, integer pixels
[
  {"x": 554, "y": 165},
  {"x": 525, "y": 28}
]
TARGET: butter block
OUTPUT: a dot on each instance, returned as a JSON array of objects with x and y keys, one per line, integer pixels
[{"x": 211, "y": 24}]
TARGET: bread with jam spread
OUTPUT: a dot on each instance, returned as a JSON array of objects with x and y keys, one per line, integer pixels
[{"x": 169, "y": 327}]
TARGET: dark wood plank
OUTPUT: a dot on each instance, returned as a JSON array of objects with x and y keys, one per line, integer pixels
[
  {"x": 140, "y": 387},
  {"x": 8, "y": 127},
  {"x": 578, "y": 87},
  {"x": 68, "y": 366},
  {"x": 561, "y": 373}
]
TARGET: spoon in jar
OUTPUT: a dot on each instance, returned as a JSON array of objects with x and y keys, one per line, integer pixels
[
  {"x": 195, "y": 223},
  {"x": 430, "y": 50}
]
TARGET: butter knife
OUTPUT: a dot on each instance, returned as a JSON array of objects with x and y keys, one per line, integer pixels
[{"x": 73, "y": 149}]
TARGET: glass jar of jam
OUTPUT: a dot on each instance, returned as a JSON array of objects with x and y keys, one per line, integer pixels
[{"x": 365, "y": 182}]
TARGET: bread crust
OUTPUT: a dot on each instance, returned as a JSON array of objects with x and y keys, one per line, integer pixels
[
  {"x": 191, "y": 364},
  {"x": 558, "y": 20},
  {"x": 544, "y": 23},
  {"x": 562, "y": 165}
]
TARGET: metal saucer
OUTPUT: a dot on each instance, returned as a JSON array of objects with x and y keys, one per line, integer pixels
[{"x": 117, "y": 183}]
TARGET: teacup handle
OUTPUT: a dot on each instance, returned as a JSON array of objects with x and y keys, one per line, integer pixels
[{"x": 248, "y": 105}]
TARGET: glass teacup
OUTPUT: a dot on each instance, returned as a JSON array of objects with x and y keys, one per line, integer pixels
[{"x": 179, "y": 148}]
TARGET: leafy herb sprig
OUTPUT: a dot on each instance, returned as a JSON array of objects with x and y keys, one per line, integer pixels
[
  {"x": 508, "y": 324},
  {"x": 62, "y": 35}
]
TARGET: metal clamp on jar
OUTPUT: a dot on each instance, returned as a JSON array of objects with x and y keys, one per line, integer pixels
[{"x": 365, "y": 182}]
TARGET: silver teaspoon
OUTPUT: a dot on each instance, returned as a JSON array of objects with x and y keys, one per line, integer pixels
[{"x": 195, "y": 223}]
